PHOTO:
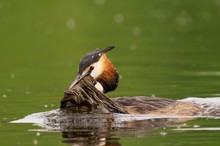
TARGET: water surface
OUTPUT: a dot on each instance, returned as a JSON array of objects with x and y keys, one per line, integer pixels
[{"x": 164, "y": 48}]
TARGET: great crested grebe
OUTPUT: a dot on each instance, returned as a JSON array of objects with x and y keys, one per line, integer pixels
[
  {"x": 97, "y": 75},
  {"x": 100, "y": 68}
]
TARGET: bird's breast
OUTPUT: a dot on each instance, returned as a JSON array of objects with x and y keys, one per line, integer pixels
[{"x": 109, "y": 77}]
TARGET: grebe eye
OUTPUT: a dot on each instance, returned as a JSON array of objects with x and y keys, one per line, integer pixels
[{"x": 91, "y": 68}]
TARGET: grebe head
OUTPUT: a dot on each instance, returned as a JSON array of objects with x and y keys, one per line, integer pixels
[{"x": 100, "y": 68}]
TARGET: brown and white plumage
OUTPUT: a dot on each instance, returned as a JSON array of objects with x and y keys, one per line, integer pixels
[{"x": 100, "y": 68}]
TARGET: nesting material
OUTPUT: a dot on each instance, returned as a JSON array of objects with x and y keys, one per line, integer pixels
[{"x": 84, "y": 97}]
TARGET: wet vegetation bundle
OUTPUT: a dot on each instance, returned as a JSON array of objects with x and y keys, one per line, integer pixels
[{"x": 84, "y": 97}]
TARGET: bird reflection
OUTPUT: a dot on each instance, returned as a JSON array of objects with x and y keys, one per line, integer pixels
[{"x": 102, "y": 130}]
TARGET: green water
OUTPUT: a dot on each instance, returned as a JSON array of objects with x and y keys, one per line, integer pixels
[{"x": 164, "y": 48}]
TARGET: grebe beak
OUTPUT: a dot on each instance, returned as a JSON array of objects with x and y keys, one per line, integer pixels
[
  {"x": 80, "y": 77},
  {"x": 107, "y": 49}
]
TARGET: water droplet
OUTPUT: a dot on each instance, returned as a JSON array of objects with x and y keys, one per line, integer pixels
[
  {"x": 196, "y": 126},
  {"x": 99, "y": 2},
  {"x": 27, "y": 91},
  {"x": 49, "y": 30},
  {"x": 183, "y": 19},
  {"x": 100, "y": 54},
  {"x": 70, "y": 23},
  {"x": 163, "y": 133},
  {"x": 199, "y": 38},
  {"x": 46, "y": 105},
  {"x": 12, "y": 76},
  {"x": 38, "y": 133},
  {"x": 217, "y": 2},
  {"x": 9, "y": 90},
  {"x": 136, "y": 30},
  {"x": 184, "y": 124},
  {"x": 206, "y": 16},
  {"x": 52, "y": 105},
  {"x": 119, "y": 18},
  {"x": 4, "y": 96},
  {"x": 102, "y": 141},
  {"x": 175, "y": 2},
  {"x": 171, "y": 39},
  {"x": 35, "y": 142},
  {"x": 133, "y": 46},
  {"x": 92, "y": 56},
  {"x": 161, "y": 18}
]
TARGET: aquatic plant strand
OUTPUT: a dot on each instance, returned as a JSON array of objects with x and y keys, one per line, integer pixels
[{"x": 84, "y": 97}]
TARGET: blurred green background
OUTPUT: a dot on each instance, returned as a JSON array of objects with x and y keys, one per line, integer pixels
[{"x": 166, "y": 48}]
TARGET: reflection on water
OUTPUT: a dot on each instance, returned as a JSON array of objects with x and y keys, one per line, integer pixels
[
  {"x": 108, "y": 135},
  {"x": 87, "y": 136},
  {"x": 95, "y": 129}
]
